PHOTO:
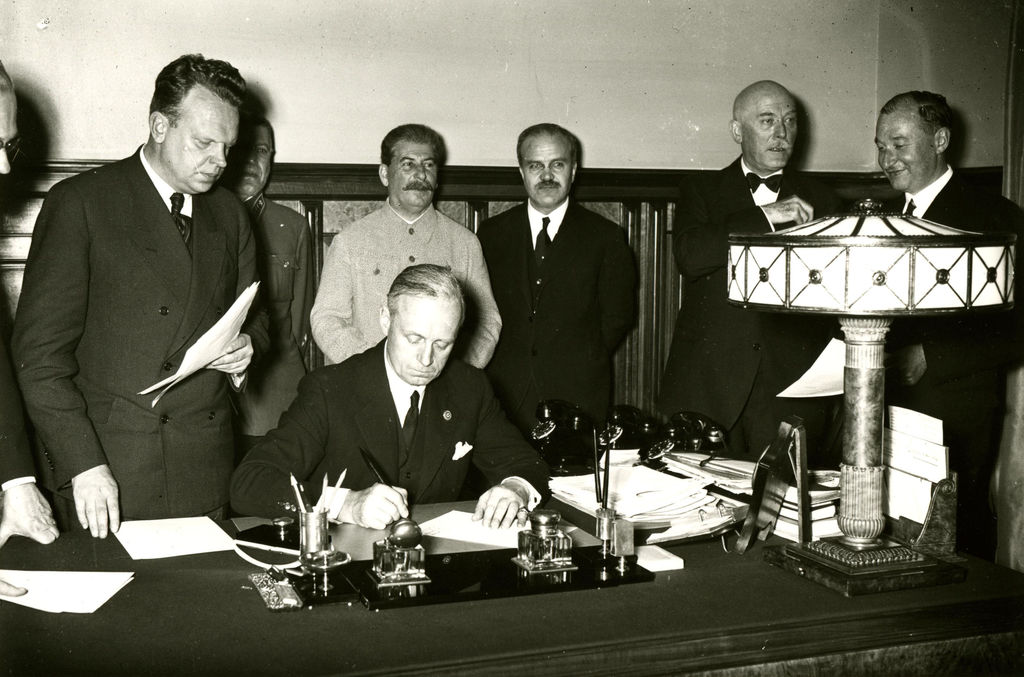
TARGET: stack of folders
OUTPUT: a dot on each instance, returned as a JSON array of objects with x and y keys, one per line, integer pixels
[
  {"x": 915, "y": 459},
  {"x": 647, "y": 498},
  {"x": 823, "y": 493}
]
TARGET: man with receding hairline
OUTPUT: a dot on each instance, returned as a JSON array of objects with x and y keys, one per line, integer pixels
[
  {"x": 24, "y": 512},
  {"x": 726, "y": 362},
  {"x": 565, "y": 283},
  {"x": 950, "y": 367},
  {"x": 423, "y": 417},
  {"x": 130, "y": 264}
]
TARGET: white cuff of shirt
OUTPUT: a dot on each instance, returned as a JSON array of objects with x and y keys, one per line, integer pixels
[
  {"x": 17, "y": 481},
  {"x": 534, "y": 495}
]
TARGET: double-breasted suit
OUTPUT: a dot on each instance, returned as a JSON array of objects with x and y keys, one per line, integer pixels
[
  {"x": 342, "y": 408},
  {"x": 558, "y": 341},
  {"x": 718, "y": 350},
  {"x": 111, "y": 301}
]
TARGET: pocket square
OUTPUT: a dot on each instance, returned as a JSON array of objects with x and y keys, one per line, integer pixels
[{"x": 461, "y": 449}]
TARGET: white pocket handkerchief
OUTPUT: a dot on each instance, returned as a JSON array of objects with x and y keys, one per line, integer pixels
[{"x": 461, "y": 449}]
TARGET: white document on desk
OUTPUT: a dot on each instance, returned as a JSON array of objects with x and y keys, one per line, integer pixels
[
  {"x": 80, "y": 592},
  {"x": 653, "y": 558},
  {"x": 458, "y": 525},
  {"x": 153, "y": 539},
  {"x": 210, "y": 345},
  {"x": 825, "y": 377}
]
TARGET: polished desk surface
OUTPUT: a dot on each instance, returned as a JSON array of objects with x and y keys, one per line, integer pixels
[{"x": 723, "y": 614}]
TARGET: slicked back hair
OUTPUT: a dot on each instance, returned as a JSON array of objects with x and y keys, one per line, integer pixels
[
  {"x": 190, "y": 70},
  {"x": 429, "y": 280},
  {"x": 548, "y": 129},
  {"x": 932, "y": 108}
]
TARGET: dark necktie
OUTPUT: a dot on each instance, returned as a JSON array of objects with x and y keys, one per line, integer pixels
[
  {"x": 540, "y": 250},
  {"x": 409, "y": 424},
  {"x": 909, "y": 208},
  {"x": 774, "y": 182},
  {"x": 184, "y": 223}
]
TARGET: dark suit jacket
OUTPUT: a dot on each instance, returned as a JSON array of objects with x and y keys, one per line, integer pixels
[
  {"x": 951, "y": 344},
  {"x": 587, "y": 304},
  {"x": 717, "y": 348},
  {"x": 15, "y": 454},
  {"x": 964, "y": 381},
  {"x": 343, "y": 407},
  {"x": 110, "y": 303}
]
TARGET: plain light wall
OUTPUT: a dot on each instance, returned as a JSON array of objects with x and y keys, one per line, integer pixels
[{"x": 643, "y": 84}]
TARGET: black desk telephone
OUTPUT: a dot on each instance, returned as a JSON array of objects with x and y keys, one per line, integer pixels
[
  {"x": 685, "y": 431},
  {"x": 563, "y": 437}
]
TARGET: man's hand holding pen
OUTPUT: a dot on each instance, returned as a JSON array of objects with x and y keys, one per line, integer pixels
[{"x": 376, "y": 507}]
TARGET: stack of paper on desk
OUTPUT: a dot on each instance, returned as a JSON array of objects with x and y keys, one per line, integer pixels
[
  {"x": 730, "y": 474},
  {"x": 643, "y": 496},
  {"x": 65, "y": 591}
]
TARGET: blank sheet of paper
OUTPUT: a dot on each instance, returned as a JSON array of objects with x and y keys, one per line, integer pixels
[
  {"x": 152, "y": 539},
  {"x": 79, "y": 592},
  {"x": 458, "y": 525}
]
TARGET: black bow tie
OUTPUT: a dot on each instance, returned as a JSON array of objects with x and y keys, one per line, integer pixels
[{"x": 774, "y": 182}]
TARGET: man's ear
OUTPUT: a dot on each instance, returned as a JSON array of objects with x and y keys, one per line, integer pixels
[
  {"x": 736, "y": 130},
  {"x": 941, "y": 140},
  {"x": 382, "y": 172},
  {"x": 385, "y": 318},
  {"x": 572, "y": 177},
  {"x": 158, "y": 126}
]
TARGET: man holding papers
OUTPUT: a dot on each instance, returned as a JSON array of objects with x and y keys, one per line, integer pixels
[
  {"x": 402, "y": 419},
  {"x": 129, "y": 265}
]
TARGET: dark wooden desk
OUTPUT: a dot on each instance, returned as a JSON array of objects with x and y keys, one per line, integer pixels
[{"x": 724, "y": 615}]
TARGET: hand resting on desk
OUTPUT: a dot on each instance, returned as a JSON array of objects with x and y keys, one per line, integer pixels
[
  {"x": 96, "y": 496},
  {"x": 25, "y": 513},
  {"x": 499, "y": 506}
]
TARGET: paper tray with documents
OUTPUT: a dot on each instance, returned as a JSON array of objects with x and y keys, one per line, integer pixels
[{"x": 654, "y": 500}]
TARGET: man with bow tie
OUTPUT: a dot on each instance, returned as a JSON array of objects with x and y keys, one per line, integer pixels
[
  {"x": 727, "y": 362},
  {"x": 421, "y": 418}
]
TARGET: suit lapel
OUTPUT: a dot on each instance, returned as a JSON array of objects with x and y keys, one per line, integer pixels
[
  {"x": 570, "y": 242},
  {"x": 378, "y": 420},
  {"x": 207, "y": 262},
  {"x": 151, "y": 228},
  {"x": 521, "y": 246},
  {"x": 437, "y": 420}
]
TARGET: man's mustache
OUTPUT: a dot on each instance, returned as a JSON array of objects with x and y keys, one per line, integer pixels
[
  {"x": 549, "y": 184},
  {"x": 418, "y": 185}
]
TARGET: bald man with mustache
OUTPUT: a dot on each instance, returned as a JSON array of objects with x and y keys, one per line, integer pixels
[{"x": 727, "y": 362}]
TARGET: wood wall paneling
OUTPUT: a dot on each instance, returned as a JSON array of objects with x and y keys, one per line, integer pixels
[{"x": 642, "y": 202}]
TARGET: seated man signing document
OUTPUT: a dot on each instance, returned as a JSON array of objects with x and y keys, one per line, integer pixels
[{"x": 421, "y": 417}]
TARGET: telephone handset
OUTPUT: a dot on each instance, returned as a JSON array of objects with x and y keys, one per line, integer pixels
[
  {"x": 638, "y": 430},
  {"x": 562, "y": 436},
  {"x": 687, "y": 431}
]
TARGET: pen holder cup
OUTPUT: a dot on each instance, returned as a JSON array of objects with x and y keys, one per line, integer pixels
[{"x": 313, "y": 535}]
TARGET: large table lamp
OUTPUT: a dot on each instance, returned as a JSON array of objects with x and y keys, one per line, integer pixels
[{"x": 868, "y": 268}]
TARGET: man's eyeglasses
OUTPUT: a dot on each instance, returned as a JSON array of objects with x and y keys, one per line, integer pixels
[{"x": 11, "y": 147}]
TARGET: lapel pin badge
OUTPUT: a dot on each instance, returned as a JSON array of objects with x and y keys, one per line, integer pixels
[{"x": 447, "y": 415}]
